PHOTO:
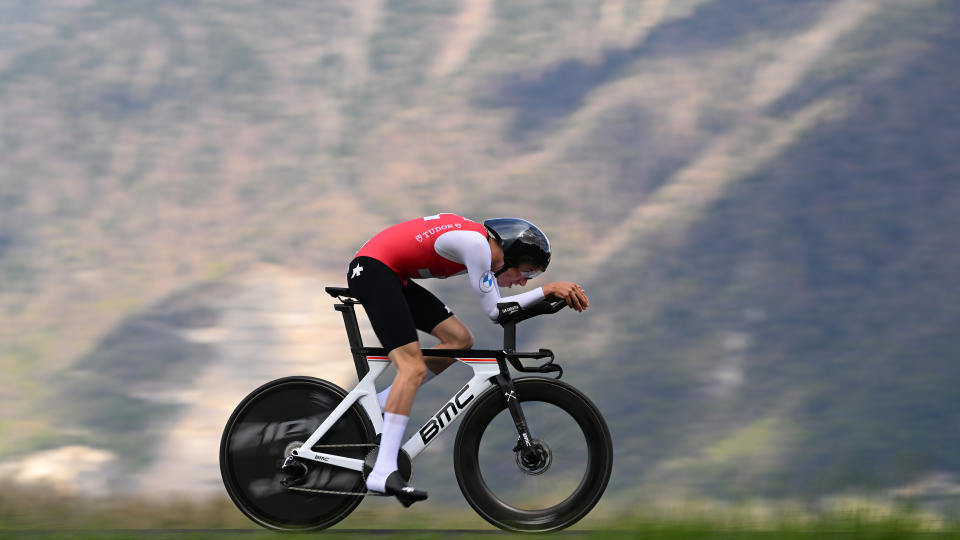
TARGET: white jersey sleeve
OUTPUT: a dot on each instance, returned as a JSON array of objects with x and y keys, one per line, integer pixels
[{"x": 473, "y": 251}]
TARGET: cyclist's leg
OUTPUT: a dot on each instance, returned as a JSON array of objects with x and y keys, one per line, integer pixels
[
  {"x": 385, "y": 477},
  {"x": 380, "y": 291},
  {"x": 411, "y": 371},
  {"x": 452, "y": 335},
  {"x": 432, "y": 316}
]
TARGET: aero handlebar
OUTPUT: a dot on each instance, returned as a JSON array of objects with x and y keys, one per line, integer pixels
[{"x": 511, "y": 312}]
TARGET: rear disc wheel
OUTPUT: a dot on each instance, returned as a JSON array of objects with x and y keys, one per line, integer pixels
[{"x": 259, "y": 437}]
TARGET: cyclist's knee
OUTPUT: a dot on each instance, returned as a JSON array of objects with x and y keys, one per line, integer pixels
[
  {"x": 408, "y": 360},
  {"x": 413, "y": 370},
  {"x": 466, "y": 342}
]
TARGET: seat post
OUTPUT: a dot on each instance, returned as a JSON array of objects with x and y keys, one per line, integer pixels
[{"x": 353, "y": 336}]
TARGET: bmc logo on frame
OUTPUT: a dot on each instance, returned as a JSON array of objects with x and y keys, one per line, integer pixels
[{"x": 445, "y": 416}]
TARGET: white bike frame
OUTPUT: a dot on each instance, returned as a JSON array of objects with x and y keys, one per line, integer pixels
[{"x": 484, "y": 369}]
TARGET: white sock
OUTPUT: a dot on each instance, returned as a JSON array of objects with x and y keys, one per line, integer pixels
[
  {"x": 393, "y": 428},
  {"x": 382, "y": 395}
]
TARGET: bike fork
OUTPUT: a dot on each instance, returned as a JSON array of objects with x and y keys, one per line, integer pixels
[{"x": 524, "y": 440}]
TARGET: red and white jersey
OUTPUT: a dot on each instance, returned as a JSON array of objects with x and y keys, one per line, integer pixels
[
  {"x": 409, "y": 248},
  {"x": 441, "y": 246}
]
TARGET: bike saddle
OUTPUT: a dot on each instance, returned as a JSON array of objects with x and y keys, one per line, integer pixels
[{"x": 337, "y": 292}]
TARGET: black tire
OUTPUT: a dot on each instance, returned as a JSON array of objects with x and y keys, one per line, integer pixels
[
  {"x": 572, "y": 474},
  {"x": 263, "y": 429}
]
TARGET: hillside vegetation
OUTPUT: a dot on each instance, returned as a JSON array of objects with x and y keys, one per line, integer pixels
[{"x": 760, "y": 198}]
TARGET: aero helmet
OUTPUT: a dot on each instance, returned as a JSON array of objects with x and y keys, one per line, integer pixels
[{"x": 522, "y": 242}]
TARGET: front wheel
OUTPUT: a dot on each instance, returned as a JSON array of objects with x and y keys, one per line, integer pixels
[
  {"x": 547, "y": 489},
  {"x": 262, "y": 432}
]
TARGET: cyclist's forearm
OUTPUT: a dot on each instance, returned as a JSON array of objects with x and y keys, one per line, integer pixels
[{"x": 525, "y": 298}]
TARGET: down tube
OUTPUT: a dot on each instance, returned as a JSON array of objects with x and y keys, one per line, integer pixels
[{"x": 483, "y": 370}]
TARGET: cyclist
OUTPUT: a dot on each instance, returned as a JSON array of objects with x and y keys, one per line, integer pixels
[{"x": 500, "y": 252}]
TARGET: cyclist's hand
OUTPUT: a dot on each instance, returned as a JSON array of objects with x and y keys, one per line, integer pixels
[{"x": 569, "y": 291}]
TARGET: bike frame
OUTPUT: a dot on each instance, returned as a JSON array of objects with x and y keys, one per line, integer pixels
[
  {"x": 489, "y": 369},
  {"x": 484, "y": 369}
]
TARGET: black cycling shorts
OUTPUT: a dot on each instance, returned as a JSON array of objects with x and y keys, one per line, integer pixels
[{"x": 396, "y": 311}]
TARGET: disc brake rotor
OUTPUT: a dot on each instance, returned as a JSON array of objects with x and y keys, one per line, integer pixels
[{"x": 536, "y": 460}]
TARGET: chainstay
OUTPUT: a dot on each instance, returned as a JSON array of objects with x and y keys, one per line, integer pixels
[
  {"x": 331, "y": 492},
  {"x": 342, "y": 445}
]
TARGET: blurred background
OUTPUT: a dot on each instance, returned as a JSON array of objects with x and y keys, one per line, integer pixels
[{"x": 761, "y": 197}]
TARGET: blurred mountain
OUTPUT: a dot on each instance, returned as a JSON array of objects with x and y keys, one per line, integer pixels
[{"x": 760, "y": 198}]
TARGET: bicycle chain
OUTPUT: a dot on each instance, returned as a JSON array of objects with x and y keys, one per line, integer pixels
[{"x": 331, "y": 492}]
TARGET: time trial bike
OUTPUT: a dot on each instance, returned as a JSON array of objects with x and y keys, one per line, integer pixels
[{"x": 532, "y": 454}]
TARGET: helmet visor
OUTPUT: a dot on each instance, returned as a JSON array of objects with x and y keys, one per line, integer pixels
[
  {"x": 531, "y": 274},
  {"x": 528, "y": 274}
]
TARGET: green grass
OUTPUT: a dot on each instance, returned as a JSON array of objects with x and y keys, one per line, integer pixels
[
  {"x": 32, "y": 513},
  {"x": 838, "y": 530}
]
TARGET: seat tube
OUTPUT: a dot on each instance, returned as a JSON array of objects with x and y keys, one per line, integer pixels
[{"x": 353, "y": 337}]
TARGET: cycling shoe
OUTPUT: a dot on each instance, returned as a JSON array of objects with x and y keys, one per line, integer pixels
[{"x": 404, "y": 492}]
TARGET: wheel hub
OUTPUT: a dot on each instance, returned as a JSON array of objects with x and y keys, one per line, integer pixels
[{"x": 535, "y": 459}]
